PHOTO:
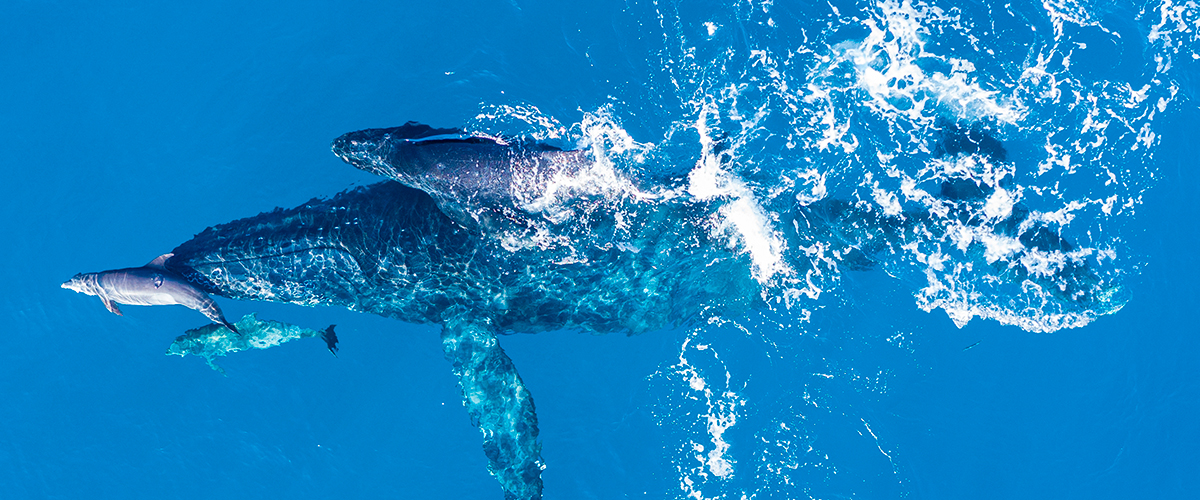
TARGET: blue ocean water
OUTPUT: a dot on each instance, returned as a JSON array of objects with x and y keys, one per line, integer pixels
[{"x": 130, "y": 127}]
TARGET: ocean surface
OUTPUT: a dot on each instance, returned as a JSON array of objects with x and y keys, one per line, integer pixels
[{"x": 973, "y": 229}]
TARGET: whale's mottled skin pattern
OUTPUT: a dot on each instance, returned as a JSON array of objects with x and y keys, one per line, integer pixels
[{"x": 388, "y": 249}]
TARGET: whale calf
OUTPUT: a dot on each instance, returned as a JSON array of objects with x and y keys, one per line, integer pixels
[
  {"x": 474, "y": 179},
  {"x": 149, "y": 285}
]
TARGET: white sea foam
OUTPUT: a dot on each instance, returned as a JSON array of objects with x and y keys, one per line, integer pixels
[
  {"x": 1176, "y": 32},
  {"x": 555, "y": 207},
  {"x": 740, "y": 220},
  {"x": 516, "y": 121},
  {"x": 910, "y": 96},
  {"x": 902, "y": 76},
  {"x": 886, "y": 67},
  {"x": 710, "y": 403},
  {"x": 829, "y": 116}
]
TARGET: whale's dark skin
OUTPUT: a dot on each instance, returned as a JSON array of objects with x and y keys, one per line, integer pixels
[
  {"x": 431, "y": 255},
  {"x": 388, "y": 249},
  {"x": 474, "y": 179}
]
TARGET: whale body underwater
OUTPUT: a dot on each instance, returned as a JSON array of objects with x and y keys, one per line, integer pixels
[
  {"x": 460, "y": 236},
  {"x": 432, "y": 256}
]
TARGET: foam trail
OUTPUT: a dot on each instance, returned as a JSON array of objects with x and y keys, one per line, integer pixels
[
  {"x": 741, "y": 219},
  {"x": 712, "y": 407}
]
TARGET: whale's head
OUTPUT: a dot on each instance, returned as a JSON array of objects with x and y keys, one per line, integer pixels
[
  {"x": 369, "y": 149},
  {"x": 362, "y": 148},
  {"x": 82, "y": 283}
]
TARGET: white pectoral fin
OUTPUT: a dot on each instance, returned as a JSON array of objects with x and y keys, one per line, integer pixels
[{"x": 111, "y": 306}]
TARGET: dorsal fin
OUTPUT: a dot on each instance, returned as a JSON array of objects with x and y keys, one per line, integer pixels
[{"x": 161, "y": 261}]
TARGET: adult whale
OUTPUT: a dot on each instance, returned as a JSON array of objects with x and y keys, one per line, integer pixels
[{"x": 388, "y": 249}]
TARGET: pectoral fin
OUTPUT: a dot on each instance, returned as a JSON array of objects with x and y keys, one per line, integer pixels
[
  {"x": 499, "y": 404},
  {"x": 111, "y": 306}
]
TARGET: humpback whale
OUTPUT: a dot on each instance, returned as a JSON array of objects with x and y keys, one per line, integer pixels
[
  {"x": 149, "y": 285},
  {"x": 388, "y": 249},
  {"x": 423, "y": 247}
]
